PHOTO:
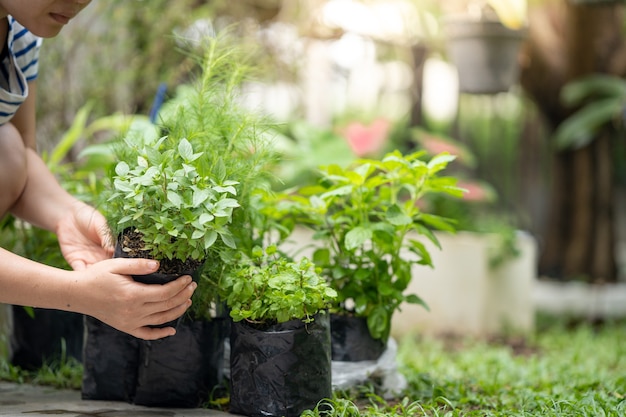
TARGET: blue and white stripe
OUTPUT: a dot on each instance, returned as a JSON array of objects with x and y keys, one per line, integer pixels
[{"x": 20, "y": 66}]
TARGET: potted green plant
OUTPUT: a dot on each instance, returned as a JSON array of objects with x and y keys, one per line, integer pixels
[
  {"x": 367, "y": 224},
  {"x": 484, "y": 43},
  {"x": 183, "y": 185},
  {"x": 166, "y": 204},
  {"x": 280, "y": 336}
]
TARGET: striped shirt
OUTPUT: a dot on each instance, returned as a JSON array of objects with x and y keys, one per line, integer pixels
[{"x": 18, "y": 67}]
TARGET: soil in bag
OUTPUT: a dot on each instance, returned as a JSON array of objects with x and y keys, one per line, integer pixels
[
  {"x": 110, "y": 362},
  {"x": 182, "y": 370},
  {"x": 194, "y": 269},
  {"x": 281, "y": 370}
]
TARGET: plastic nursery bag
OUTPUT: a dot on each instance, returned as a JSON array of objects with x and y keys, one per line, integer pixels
[
  {"x": 110, "y": 361},
  {"x": 47, "y": 336},
  {"x": 351, "y": 340},
  {"x": 281, "y": 370},
  {"x": 382, "y": 371},
  {"x": 181, "y": 370}
]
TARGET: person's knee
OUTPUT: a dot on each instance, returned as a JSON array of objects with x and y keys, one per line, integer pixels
[{"x": 13, "y": 167}]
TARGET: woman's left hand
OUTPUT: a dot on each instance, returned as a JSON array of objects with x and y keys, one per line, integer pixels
[{"x": 84, "y": 236}]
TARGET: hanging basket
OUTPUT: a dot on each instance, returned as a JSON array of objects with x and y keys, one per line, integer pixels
[{"x": 485, "y": 53}]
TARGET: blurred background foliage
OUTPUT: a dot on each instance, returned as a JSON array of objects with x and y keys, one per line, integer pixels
[{"x": 342, "y": 79}]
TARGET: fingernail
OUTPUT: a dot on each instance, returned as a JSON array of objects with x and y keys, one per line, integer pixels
[
  {"x": 193, "y": 286},
  {"x": 153, "y": 264}
]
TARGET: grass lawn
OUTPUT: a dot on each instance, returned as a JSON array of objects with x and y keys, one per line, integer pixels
[
  {"x": 561, "y": 370},
  {"x": 558, "y": 372}
]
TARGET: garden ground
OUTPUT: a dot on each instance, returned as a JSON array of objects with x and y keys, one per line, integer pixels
[
  {"x": 40, "y": 401},
  {"x": 565, "y": 368}
]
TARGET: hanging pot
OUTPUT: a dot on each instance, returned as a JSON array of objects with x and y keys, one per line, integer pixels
[
  {"x": 280, "y": 370},
  {"x": 351, "y": 340},
  {"x": 485, "y": 53}
]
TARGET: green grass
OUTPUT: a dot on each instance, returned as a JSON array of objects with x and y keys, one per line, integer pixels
[
  {"x": 66, "y": 372},
  {"x": 561, "y": 370}
]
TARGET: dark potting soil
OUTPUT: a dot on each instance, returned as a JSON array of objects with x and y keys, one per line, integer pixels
[{"x": 132, "y": 245}]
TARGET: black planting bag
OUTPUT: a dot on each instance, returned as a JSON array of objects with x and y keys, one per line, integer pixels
[
  {"x": 351, "y": 339},
  {"x": 280, "y": 370},
  {"x": 182, "y": 370},
  {"x": 110, "y": 361}
]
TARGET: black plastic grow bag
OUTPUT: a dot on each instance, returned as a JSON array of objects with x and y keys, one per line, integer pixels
[
  {"x": 182, "y": 370},
  {"x": 281, "y": 370},
  {"x": 110, "y": 362},
  {"x": 48, "y": 336},
  {"x": 351, "y": 339}
]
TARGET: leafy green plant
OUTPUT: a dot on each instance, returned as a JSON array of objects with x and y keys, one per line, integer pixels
[
  {"x": 602, "y": 102},
  {"x": 369, "y": 222},
  {"x": 177, "y": 203},
  {"x": 270, "y": 289},
  {"x": 180, "y": 182}
]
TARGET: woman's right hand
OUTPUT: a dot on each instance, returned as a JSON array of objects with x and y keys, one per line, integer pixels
[{"x": 107, "y": 292}]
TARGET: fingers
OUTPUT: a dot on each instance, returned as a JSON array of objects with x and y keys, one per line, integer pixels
[
  {"x": 128, "y": 266},
  {"x": 160, "y": 317},
  {"x": 166, "y": 316},
  {"x": 153, "y": 333},
  {"x": 78, "y": 265}
]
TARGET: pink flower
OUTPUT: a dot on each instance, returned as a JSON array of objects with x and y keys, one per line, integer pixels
[
  {"x": 436, "y": 144},
  {"x": 476, "y": 191},
  {"x": 367, "y": 140}
]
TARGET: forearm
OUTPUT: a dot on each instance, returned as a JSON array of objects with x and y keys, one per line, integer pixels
[
  {"x": 43, "y": 202},
  {"x": 24, "y": 282}
]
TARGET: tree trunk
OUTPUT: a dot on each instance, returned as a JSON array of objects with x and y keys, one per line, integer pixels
[{"x": 568, "y": 42}]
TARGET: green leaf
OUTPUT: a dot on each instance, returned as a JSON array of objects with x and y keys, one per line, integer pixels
[
  {"x": 209, "y": 239},
  {"x": 579, "y": 129},
  {"x": 123, "y": 186},
  {"x": 438, "y": 222},
  {"x": 397, "y": 217},
  {"x": 599, "y": 85},
  {"x": 200, "y": 196},
  {"x": 154, "y": 156},
  {"x": 378, "y": 322},
  {"x": 71, "y": 136},
  {"x": 439, "y": 162},
  {"x": 357, "y": 237},
  {"x": 185, "y": 149},
  {"x": 175, "y": 199},
  {"x": 228, "y": 240},
  {"x": 205, "y": 218},
  {"x": 414, "y": 299},
  {"x": 122, "y": 169}
]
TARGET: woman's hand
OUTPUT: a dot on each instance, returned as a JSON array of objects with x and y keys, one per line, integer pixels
[
  {"x": 109, "y": 294},
  {"x": 84, "y": 236}
]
